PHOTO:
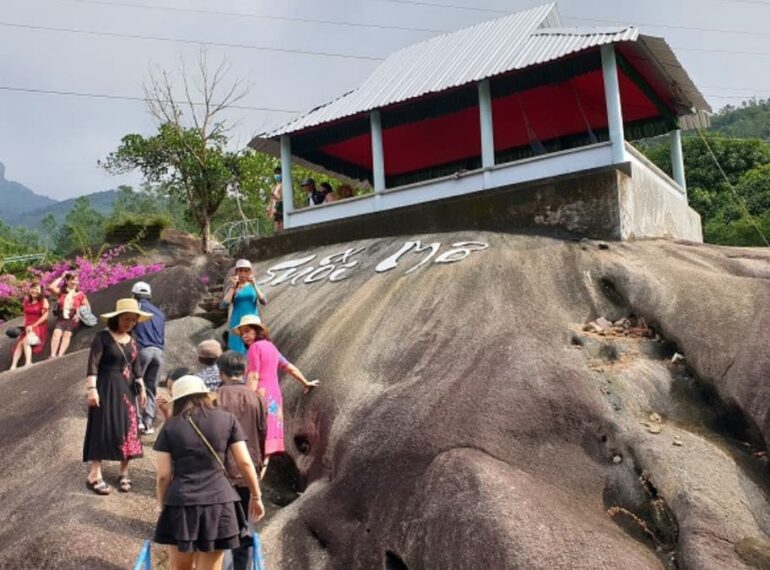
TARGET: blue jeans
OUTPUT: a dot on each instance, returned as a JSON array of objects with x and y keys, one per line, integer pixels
[{"x": 151, "y": 359}]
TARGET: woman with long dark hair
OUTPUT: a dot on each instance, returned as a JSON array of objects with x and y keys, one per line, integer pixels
[
  {"x": 113, "y": 383},
  {"x": 69, "y": 298},
  {"x": 35, "y": 308},
  {"x": 263, "y": 362},
  {"x": 201, "y": 514}
]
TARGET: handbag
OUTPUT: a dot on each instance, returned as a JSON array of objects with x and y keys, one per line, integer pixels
[
  {"x": 32, "y": 338},
  {"x": 86, "y": 316},
  {"x": 56, "y": 309}
]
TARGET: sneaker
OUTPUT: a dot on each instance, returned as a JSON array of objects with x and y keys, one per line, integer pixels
[
  {"x": 141, "y": 427},
  {"x": 149, "y": 430}
]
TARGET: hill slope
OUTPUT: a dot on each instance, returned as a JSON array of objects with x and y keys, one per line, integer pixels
[
  {"x": 16, "y": 198},
  {"x": 100, "y": 201},
  {"x": 465, "y": 419}
]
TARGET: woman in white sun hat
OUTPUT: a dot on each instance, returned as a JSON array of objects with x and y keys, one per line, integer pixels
[
  {"x": 201, "y": 513},
  {"x": 242, "y": 297},
  {"x": 113, "y": 383}
]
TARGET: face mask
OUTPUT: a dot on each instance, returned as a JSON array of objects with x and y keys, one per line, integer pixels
[{"x": 277, "y": 177}]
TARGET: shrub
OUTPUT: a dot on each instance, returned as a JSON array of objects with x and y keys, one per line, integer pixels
[{"x": 128, "y": 227}]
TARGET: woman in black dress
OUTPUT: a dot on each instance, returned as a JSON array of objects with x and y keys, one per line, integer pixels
[
  {"x": 201, "y": 512},
  {"x": 113, "y": 383}
]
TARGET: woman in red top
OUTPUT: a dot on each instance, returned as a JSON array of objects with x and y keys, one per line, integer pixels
[
  {"x": 35, "y": 321},
  {"x": 70, "y": 299}
]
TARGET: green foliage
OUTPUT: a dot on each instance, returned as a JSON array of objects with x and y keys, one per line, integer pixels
[
  {"x": 127, "y": 227},
  {"x": 18, "y": 240},
  {"x": 745, "y": 163},
  {"x": 750, "y": 120},
  {"x": 185, "y": 164},
  {"x": 81, "y": 229}
]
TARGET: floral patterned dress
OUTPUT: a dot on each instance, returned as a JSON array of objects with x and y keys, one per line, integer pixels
[
  {"x": 112, "y": 431},
  {"x": 263, "y": 357}
]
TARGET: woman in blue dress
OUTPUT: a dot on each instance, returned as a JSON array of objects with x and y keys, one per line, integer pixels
[{"x": 242, "y": 297}]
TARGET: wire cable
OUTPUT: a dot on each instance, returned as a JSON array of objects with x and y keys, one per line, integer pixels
[
  {"x": 186, "y": 41},
  {"x": 129, "y": 98},
  {"x": 671, "y": 27},
  {"x": 741, "y": 202},
  {"x": 200, "y": 11}
]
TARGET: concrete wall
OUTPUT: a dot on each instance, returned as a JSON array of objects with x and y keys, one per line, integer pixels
[
  {"x": 613, "y": 203},
  {"x": 651, "y": 205}
]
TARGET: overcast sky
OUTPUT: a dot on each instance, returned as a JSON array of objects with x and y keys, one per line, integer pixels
[{"x": 51, "y": 142}]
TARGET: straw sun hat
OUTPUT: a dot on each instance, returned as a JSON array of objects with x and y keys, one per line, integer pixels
[
  {"x": 188, "y": 385},
  {"x": 127, "y": 306},
  {"x": 249, "y": 321}
]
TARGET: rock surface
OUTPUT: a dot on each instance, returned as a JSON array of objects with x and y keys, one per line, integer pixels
[{"x": 465, "y": 418}]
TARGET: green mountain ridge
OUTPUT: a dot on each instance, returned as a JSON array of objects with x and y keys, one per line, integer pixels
[
  {"x": 16, "y": 199},
  {"x": 100, "y": 201}
]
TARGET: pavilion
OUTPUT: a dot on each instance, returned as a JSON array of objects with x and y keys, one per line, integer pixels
[{"x": 517, "y": 110}]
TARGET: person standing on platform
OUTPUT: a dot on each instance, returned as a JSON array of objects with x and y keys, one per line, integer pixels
[
  {"x": 242, "y": 298},
  {"x": 150, "y": 336}
]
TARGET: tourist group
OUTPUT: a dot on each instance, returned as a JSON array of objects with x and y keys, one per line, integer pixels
[{"x": 222, "y": 420}]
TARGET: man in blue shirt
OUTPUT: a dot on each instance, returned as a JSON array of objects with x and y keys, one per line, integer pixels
[{"x": 149, "y": 336}]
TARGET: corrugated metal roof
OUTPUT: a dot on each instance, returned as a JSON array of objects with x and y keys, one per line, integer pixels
[{"x": 485, "y": 50}]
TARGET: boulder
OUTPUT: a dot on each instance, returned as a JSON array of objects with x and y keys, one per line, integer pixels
[{"x": 465, "y": 419}]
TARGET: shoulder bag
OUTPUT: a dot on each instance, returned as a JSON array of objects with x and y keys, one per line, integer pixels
[{"x": 210, "y": 448}]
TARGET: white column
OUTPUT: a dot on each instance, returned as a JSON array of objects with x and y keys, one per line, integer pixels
[
  {"x": 487, "y": 132},
  {"x": 612, "y": 98},
  {"x": 677, "y": 159},
  {"x": 378, "y": 157},
  {"x": 286, "y": 182}
]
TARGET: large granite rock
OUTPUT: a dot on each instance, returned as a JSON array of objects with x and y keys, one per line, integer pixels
[{"x": 465, "y": 418}]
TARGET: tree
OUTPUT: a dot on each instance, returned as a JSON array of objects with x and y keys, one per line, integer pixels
[
  {"x": 745, "y": 164},
  {"x": 82, "y": 228},
  {"x": 187, "y": 156},
  {"x": 50, "y": 228}
]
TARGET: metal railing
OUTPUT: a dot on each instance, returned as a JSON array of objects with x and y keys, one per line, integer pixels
[
  {"x": 144, "y": 560},
  {"x": 26, "y": 259},
  {"x": 230, "y": 235}
]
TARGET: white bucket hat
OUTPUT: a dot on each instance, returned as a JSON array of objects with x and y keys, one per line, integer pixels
[
  {"x": 188, "y": 385},
  {"x": 243, "y": 264}
]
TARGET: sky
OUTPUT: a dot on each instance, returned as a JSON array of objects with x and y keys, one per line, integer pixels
[{"x": 294, "y": 54}]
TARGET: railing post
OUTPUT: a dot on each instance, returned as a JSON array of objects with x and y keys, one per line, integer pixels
[
  {"x": 286, "y": 181},
  {"x": 487, "y": 131},
  {"x": 378, "y": 157},
  {"x": 677, "y": 159},
  {"x": 612, "y": 98}
]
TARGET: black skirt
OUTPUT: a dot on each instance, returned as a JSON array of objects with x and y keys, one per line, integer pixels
[{"x": 202, "y": 528}]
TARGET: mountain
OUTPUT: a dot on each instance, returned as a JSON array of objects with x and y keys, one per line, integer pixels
[
  {"x": 100, "y": 201},
  {"x": 15, "y": 199}
]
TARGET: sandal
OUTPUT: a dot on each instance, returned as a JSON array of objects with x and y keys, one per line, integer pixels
[
  {"x": 124, "y": 484},
  {"x": 99, "y": 487}
]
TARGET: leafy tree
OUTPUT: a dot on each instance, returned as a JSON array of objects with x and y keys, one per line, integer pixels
[
  {"x": 50, "y": 229},
  {"x": 750, "y": 120},
  {"x": 745, "y": 164},
  {"x": 82, "y": 228},
  {"x": 187, "y": 155}
]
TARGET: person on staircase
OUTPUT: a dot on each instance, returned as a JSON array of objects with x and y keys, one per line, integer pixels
[
  {"x": 150, "y": 336},
  {"x": 242, "y": 297}
]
